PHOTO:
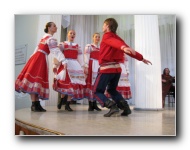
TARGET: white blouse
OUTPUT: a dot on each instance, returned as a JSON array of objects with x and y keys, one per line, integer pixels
[{"x": 54, "y": 49}]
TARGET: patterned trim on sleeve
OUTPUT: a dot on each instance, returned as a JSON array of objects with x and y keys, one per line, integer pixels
[{"x": 52, "y": 43}]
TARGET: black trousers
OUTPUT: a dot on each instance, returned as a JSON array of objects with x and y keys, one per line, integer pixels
[{"x": 109, "y": 80}]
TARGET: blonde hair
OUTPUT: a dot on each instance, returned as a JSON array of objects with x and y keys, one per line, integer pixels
[{"x": 95, "y": 34}]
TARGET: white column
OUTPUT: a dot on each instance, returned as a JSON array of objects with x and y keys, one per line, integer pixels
[{"x": 148, "y": 90}]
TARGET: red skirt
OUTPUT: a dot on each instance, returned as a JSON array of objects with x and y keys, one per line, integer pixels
[
  {"x": 33, "y": 79},
  {"x": 69, "y": 88}
]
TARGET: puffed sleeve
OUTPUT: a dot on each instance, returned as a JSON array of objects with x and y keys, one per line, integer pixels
[
  {"x": 55, "y": 51},
  {"x": 87, "y": 51},
  {"x": 61, "y": 46}
]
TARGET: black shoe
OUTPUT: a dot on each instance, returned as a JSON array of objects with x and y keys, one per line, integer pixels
[
  {"x": 67, "y": 106},
  {"x": 108, "y": 103},
  {"x": 40, "y": 107},
  {"x": 59, "y": 103},
  {"x": 62, "y": 101},
  {"x": 95, "y": 106},
  {"x": 113, "y": 108},
  {"x": 125, "y": 113},
  {"x": 125, "y": 107},
  {"x": 37, "y": 107},
  {"x": 90, "y": 104},
  {"x": 65, "y": 100}
]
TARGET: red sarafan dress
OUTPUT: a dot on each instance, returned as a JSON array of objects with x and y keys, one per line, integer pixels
[
  {"x": 71, "y": 80},
  {"x": 33, "y": 79},
  {"x": 91, "y": 56}
]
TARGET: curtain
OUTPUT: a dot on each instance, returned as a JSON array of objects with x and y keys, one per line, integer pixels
[
  {"x": 84, "y": 26},
  {"x": 167, "y": 30}
]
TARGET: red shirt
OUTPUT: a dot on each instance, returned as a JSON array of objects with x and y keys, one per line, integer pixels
[
  {"x": 110, "y": 48},
  {"x": 110, "y": 51}
]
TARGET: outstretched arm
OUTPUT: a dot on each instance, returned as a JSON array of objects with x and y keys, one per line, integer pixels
[{"x": 131, "y": 52}]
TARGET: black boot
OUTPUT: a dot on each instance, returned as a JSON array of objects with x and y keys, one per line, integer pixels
[
  {"x": 33, "y": 106},
  {"x": 123, "y": 105},
  {"x": 59, "y": 103},
  {"x": 113, "y": 108},
  {"x": 62, "y": 101},
  {"x": 95, "y": 106},
  {"x": 67, "y": 106},
  {"x": 90, "y": 104},
  {"x": 40, "y": 107},
  {"x": 65, "y": 100},
  {"x": 37, "y": 107}
]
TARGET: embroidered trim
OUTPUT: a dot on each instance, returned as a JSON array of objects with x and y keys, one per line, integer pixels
[
  {"x": 34, "y": 77},
  {"x": 42, "y": 51},
  {"x": 110, "y": 66}
]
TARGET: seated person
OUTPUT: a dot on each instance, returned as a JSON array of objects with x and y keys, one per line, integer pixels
[{"x": 167, "y": 85}]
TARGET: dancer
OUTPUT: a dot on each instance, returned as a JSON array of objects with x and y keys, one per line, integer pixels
[
  {"x": 70, "y": 80},
  {"x": 112, "y": 48},
  {"x": 33, "y": 78},
  {"x": 91, "y": 56}
]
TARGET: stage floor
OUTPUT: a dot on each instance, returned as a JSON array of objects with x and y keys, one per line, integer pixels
[{"x": 81, "y": 122}]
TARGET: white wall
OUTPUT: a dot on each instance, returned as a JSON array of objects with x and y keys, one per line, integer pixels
[{"x": 26, "y": 29}]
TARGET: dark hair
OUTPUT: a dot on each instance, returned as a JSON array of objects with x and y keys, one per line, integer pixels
[
  {"x": 165, "y": 69},
  {"x": 112, "y": 23},
  {"x": 46, "y": 27}
]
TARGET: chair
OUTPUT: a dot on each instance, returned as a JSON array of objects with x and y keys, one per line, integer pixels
[{"x": 171, "y": 99}]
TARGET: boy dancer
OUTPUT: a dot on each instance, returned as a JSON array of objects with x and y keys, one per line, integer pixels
[{"x": 112, "y": 48}]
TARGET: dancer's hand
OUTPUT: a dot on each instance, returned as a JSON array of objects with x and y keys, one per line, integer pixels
[
  {"x": 146, "y": 61},
  {"x": 86, "y": 70},
  {"x": 55, "y": 70}
]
